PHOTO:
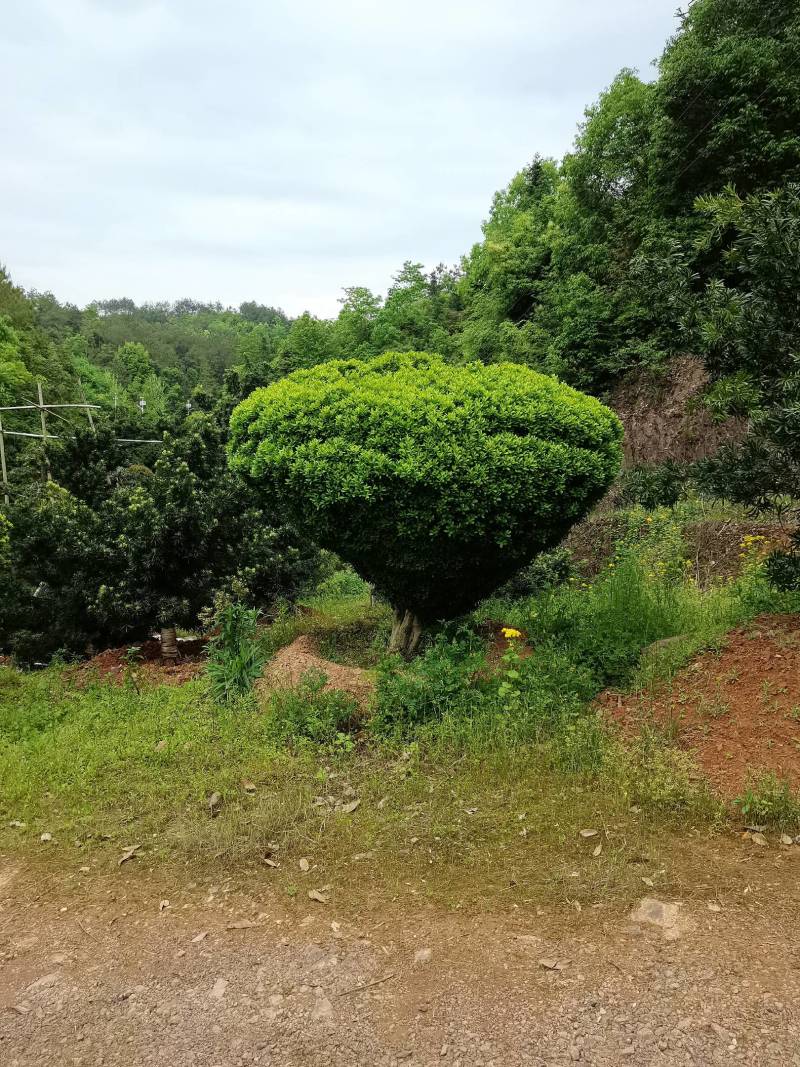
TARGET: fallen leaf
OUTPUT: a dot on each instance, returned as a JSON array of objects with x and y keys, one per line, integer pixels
[
  {"x": 589, "y": 833},
  {"x": 214, "y": 804},
  {"x": 649, "y": 882},
  {"x": 15, "y": 824},
  {"x": 241, "y": 924},
  {"x": 347, "y": 808},
  {"x": 314, "y": 894},
  {"x": 713, "y": 906},
  {"x": 552, "y": 965},
  {"x": 470, "y": 811},
  {"x": 270, "y": 863},
  {"x": 129, "y": 854},
  {"x": 45, "y": 838},
  {"x": 759, "y": 839},
  {"x": 305, "y": 865},
  {"x": 161, "y": 746},
  {"x": 598, "y": 849},
  {"x": 199, "y": 937},
  {"x": 163, "y": 905},
  {"x": 249, "y": 788}
]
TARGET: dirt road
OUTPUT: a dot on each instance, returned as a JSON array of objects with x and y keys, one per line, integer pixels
[{"x": 110, "y": 970}]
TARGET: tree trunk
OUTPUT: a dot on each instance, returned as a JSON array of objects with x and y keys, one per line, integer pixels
[
  {"x": 169, "y": 643},
  {"x": 406, "y": 633}
]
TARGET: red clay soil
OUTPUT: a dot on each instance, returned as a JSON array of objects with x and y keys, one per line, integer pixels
[
  {"x": 736, "y": 711},
  {"x": 115, "y": 664},
  {"x": 498, "y": 644},
  {"x": 287, "y": 667}
]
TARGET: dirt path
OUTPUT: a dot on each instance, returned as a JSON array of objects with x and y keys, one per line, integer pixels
[{"x": 102, "y": 970}]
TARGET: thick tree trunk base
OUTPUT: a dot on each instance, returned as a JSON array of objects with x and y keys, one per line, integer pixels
[
  {"x": 169, "y": 643},
  {"x": 406, "y": 633}
]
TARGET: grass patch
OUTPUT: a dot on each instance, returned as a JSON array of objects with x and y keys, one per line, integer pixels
[
  {"x": 466, "y": 776},
  {"x": 106, "y": 767}
]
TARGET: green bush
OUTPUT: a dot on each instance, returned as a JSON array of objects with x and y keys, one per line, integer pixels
[
  {"x": 235, "y": 656},
  {"x": 546, "y": 571},
  {"x": 343, "y": 584},
  {"x": 435, "y": 482},
  {"x": 653, "y": 486}
]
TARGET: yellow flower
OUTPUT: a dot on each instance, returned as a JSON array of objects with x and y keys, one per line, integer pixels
[{"x": 510, "y": 633}]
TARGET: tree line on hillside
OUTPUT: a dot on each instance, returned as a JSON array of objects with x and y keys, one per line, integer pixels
[{"x": 672, "y": 227}]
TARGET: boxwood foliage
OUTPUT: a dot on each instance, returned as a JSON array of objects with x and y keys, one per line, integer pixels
[{"x": 436, "y": 482}]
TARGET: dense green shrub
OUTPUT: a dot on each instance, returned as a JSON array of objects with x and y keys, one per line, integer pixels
[
  {"x": 546, "y": 571},
  {"x": 653, "y": 486},
  {"x": 117, "y": 551},
  {"x": 342, "y": 585},
  {"x": 437, "y": 483}
]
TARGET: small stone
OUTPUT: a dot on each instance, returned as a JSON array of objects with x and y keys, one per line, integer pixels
[
  {"x": 45, "y": 838},
  {"x": 423, "y": 955},
  {"x": 45, "y": 982},
  {"x": 323, "y": 1009},
  {"x": 219, "y": 988}
]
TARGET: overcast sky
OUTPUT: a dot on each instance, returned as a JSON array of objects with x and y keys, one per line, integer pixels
[{"x": 279, "y": 150}]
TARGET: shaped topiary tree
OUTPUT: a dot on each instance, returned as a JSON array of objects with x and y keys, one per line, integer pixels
[{"x": 436, "y": 482}]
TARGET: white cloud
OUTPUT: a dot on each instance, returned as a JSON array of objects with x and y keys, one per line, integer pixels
[{"x": 280, "y": 151}]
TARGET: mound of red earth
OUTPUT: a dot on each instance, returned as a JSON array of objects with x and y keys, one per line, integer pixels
[
  {"x": 737, "y": 711},
  {"x": 144, "y": 661},
  {"x": 287, "y": 667}
]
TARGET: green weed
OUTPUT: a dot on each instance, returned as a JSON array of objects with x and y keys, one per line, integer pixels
[
  {"x": 235, "y": 658},
  {"x": 770, "y": 800}
]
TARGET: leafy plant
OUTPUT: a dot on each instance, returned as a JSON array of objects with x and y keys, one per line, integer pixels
[{"x": 235, "y": 657}]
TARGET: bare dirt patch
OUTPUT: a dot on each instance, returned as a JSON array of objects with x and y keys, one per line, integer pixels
[
  {"x": 737, "y": 711},
  {"x": 301, "y": 657},
  {"x": 130, "y": 970},
  {"x": 143, "y": 661}
]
